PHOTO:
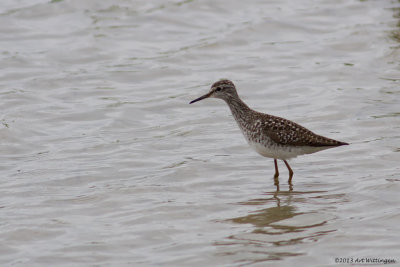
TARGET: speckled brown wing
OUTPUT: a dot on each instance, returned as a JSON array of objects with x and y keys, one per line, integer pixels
[{"x": 286, "y": 132}]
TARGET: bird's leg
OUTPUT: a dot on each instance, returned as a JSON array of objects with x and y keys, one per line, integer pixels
[
  {"x": 290, "y": 172},
  {"x": 276, "y": 183},
  {"x": 276, "y": 179},
  {"x": 276, "y": 169}
]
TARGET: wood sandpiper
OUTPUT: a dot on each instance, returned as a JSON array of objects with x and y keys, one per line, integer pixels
[{"x": 269, "y": 135}]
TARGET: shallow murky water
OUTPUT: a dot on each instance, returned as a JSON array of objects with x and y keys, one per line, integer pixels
[{"x": 103, "y": 162}]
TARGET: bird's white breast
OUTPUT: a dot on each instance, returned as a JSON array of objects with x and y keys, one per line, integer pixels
[{"x": 283, "y": 152}]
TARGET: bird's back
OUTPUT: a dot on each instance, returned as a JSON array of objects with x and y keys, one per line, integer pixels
[{"x": 289, "y": 133}]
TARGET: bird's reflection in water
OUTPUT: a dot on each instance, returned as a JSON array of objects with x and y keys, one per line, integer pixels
[
  {"x": 282, "y": 210},
  {"x": 270, "y": 238}
]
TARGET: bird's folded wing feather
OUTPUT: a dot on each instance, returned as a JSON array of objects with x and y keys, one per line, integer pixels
[{"x": 286, "y": 132}]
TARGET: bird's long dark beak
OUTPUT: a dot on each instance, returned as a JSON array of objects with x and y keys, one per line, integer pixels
[{"x": 201, "y": 97}]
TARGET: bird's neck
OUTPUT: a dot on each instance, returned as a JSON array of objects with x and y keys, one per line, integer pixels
[{"x": 239, "y": 109}]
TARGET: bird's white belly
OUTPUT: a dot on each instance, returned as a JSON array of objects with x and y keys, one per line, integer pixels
[{"x": 283, "y": 152}]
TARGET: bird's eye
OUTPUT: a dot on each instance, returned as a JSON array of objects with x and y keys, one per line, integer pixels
[{"x": 218, "y": 89}]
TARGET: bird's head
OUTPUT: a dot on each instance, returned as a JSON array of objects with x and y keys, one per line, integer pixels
[{"x": 223, "y": 89}]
